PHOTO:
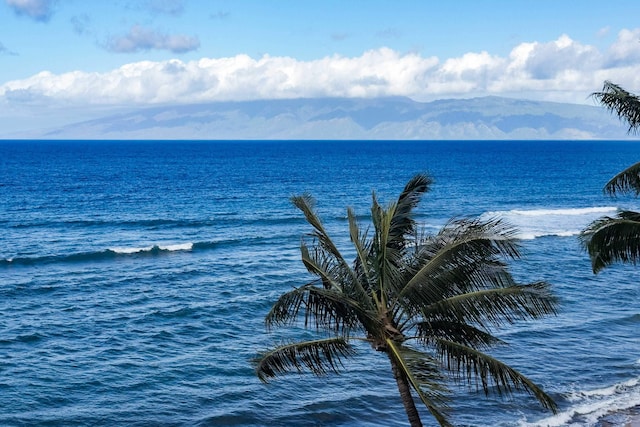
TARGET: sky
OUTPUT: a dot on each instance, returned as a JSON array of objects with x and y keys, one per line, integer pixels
[{"x": 68, "y": 60}]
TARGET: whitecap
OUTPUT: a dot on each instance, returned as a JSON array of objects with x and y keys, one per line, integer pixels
[
  {"x": 168, "y": 248},
  {"x": 561, "y": 222},
  {"x": 126, "y": 251},
  {"x": 177, "y": 247},
  {"x": 588, "y": 407}
]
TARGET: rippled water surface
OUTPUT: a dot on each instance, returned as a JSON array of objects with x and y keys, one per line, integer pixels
[{"x": 135, "y": 276}]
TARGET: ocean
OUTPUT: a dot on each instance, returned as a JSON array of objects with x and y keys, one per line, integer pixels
[{"x": 135, "y": 277}]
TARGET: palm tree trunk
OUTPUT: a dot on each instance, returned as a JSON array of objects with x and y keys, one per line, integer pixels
[{"x": 405, "y": 395}]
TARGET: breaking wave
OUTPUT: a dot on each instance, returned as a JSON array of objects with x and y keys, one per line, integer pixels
[{"x": 536, "y": 223}]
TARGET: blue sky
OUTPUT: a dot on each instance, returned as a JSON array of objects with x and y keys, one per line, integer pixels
[{"x": 63, "y": 60}]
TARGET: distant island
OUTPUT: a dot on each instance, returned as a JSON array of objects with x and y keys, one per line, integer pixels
[{"x": 393, "y": 118}]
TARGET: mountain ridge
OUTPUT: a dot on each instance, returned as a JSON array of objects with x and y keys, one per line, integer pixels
[{"x": 388, "y": 118}]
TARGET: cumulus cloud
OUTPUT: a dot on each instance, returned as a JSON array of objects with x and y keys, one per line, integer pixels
[
  {"x": 561, "y": 70},
  {"x": 140, "y": 38},
  {"x": 40, "y": 10},
  {"x": 626, "y": 49}
]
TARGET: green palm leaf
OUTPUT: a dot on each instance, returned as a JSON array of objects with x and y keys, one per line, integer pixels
[
  {"x": 442, "y": 291},
  {"x": 306, "y": 204},
  {"x": 455, "y": 331},
  {"x": 463, "y": 256},
  {"x": 495, "y": 306},
  {"x": 486, "y": 371},
  {"x": 319, "y": 357},
  {"x": 323, "y": 309},
  {"x": 609, "y": 240},
  {"x": 624, "y": 104},
  {"x": 401, "y": 221},
  {"x": 422, "y": 372},
  {"x": 625, "y": 182}
]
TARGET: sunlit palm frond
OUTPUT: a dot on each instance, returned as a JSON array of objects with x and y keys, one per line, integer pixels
[
  {"x": 491, "y": 374},
  {"x": 423, "y": 373},
  {"x": 626, "y": 181},
  {"x": 465, "y": 255},
  {"x": 609, "y": 240},
  {"x": 318, "y": 357},
  {"x": 495, "y": 307},
  {"x": 624, "y": 104}
]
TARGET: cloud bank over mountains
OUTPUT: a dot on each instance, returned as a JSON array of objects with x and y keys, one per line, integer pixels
[{"x": 562, "y": 70}]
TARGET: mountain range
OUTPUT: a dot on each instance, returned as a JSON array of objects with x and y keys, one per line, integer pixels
[{"x": 351, "y": 119}]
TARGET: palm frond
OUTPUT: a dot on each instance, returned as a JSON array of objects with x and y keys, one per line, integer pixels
[
  {"x": 486, "y": 371},
  {"x": 318, "y": 357},
  {"x": 323, "y": 309},
  {"x": 624, "y": 104},
  {"x": 387, "y": 257},
  {"x": 338, "y": 277},
  {"x": 465, "y": 255},
  {"x": 425, "y": 378},
  {"x": 495, "y": 306},
  {"x": 306, "y": 204},
  {"x": 363, "y": 250},
  {"x": 326, "y": 254},
  {"x": 401, "y": 221},
  {"x": 319, "y": 263},
  {"x": 625, "y": 182},
  {"x": 609, "y": 240},
  {"x": 451, "y": 330}
]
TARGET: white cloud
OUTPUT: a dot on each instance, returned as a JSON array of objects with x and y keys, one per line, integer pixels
[
  {"x": 40, "y": 10},
  {"x": 140, "y": 38},
  {"x": 626, "y": 49},
  {"x": 560, "y": 70}
]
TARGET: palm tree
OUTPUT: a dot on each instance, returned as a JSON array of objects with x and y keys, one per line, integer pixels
[
  {"x": 617, "y": 239},
  {"x": 428, "y": 302}
]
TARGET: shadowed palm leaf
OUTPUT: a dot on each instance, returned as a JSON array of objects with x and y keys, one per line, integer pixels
[
  {"x": 624, "y": 104},
  {"x": 319, "y": 357},
  {"x": 626, "y": 181},
  {"x": 617, "y": 239},
  {"x": 443, "y": 293},
  {"x": 609, "y": 240}
]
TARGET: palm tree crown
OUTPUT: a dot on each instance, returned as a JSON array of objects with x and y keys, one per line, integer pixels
[
  {"x": 429, "y": 302},
  {"x": 617, "y": 239}
]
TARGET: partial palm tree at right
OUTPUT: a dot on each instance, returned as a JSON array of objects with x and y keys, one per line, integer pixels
[{"x": 617, "y": 239}]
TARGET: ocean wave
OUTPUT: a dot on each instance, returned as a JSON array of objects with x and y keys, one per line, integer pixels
[
  {"x": 226, "y": 219},
  {"x": 589, "y": 407},
  {"x": 109, "y": 253},
  {"x": 151, "y": 223},
  {"x": 561, "y": 222}
]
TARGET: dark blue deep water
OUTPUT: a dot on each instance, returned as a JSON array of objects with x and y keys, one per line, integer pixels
[{"x": 135, "y": 276}]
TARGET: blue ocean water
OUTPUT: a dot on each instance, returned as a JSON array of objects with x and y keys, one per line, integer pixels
[{"x": 135, "y": 276}]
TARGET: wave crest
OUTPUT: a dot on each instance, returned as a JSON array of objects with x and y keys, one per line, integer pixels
[
  {"x": 108, "y": 254},
  {"x": 565, "y": 222}
]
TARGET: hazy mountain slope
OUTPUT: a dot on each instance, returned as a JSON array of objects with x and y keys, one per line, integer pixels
[{"x": 381, "y": 118}]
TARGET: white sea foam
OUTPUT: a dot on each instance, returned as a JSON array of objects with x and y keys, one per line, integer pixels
[
  {"x": 563, "y": 222},
  {"x": 177, "y": 247},
  {"x": 589, "y": 406},
  {"x": 169, "y": 248}
]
